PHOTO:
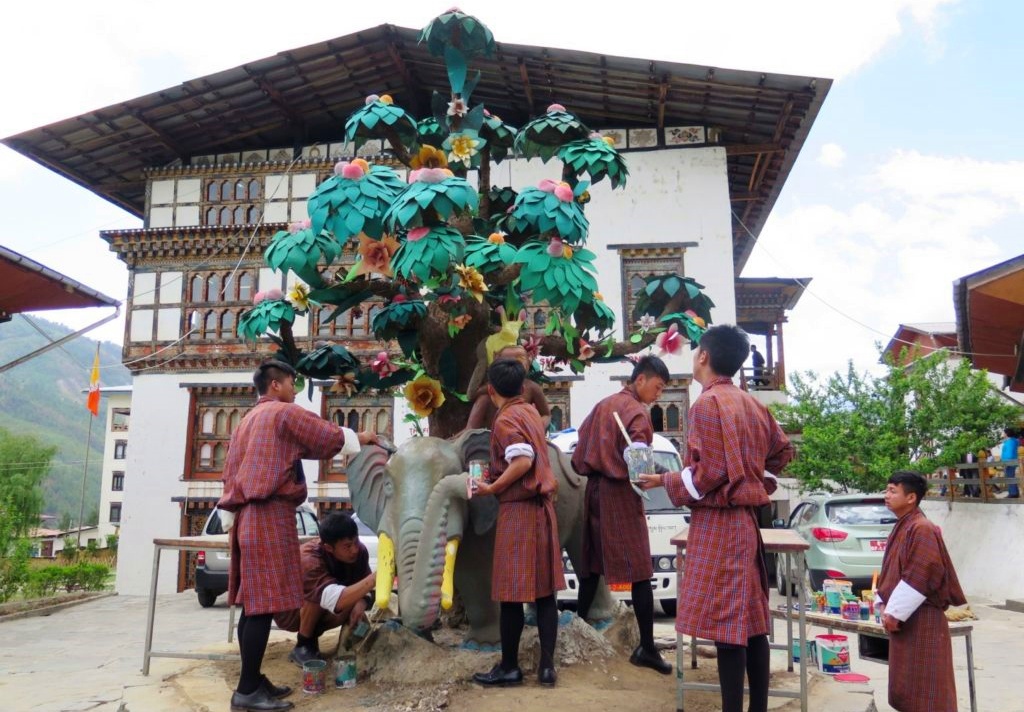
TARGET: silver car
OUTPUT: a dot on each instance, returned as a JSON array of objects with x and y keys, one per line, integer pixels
[{"x": 847, "y": 534}]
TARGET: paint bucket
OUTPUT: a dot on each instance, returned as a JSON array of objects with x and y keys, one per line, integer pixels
[
  {"x": 314, "y": 676},
  {"x": 809, "y": 646},
  {"x": 833, "y": 654},
  {"x": 345, "y": 671}
]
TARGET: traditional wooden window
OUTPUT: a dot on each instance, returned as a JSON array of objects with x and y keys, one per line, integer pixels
[
  {"x": 119, "y": 419},
  {"x": 646, "y": 260},
  {"x": 215, "y": 412},
  {"x": 668, "y": 415},
  {"x": 363, "y": 411},
  {"x": 217, "y": 300},
  {"x": 353, "y": 323},
  {"x": 558, "y": 396},
  {"x": 232, "y": 201}
]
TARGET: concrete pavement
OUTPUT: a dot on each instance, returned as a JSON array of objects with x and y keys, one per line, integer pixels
[{"x": 89, "y": 657}]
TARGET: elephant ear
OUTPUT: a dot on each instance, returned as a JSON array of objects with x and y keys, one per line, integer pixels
[
  {"x": 476, "y": 445},
  {"x": 367, "y": 479},
  {"x": 563, "y": 460}
]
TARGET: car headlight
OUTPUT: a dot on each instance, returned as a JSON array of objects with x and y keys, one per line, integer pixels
[
  {"x": 663, "y": 563},
  {"x": 567, "y": 564}
]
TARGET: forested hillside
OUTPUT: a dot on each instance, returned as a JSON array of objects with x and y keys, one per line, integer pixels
[{"x": 44, "y": 398}]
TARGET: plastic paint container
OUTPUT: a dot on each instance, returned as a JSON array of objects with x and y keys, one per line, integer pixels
[{"x": 833, "y": 654}]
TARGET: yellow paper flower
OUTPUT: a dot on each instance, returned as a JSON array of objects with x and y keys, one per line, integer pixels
[
  {"x": 472, "y": 281},
  {"x": 428, "y": 157},
  {"x": 376, "y": 255},
  {"x": 567, "y": 252},
  {"x": 463, "y": 149},
  {"x": 298, "y": 295},
  {"x": 386, "y": 99},
  {"x": 496, "y": 238},
  {"x": 424, "y": 395},
  {"x": 598, "y": 296}
]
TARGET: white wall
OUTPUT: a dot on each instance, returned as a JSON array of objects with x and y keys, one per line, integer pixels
[
  {"x": 114, "y": 400},
  {"x": 154, "y": 470},
  {"x": 983, "y": 542}
]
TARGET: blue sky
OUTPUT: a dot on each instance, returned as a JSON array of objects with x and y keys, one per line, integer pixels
[{"x": 913, "y": 174}]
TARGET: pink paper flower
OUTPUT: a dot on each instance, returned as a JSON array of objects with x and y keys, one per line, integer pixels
[
  {"x": 556, "y": 107},
  {"x": 447, "y": 299},
  {"x": 352, "y": 171},
  {"x": 586, "y": 351},
  {"x": 274, "y": 294},
  {"x": 432, "y": 175},
  {"x": 671, "y": 341},
  {"x": 371, "y": 98},
  {"x": 635, "y": 357},
  {"x": 382, "y": 365},
  {"x": 555, "y": 247},
  {"x": 417, "y": 233},
  {"x": 532, "y": 346},
  {"x": 647, "y": 322},
  {"x": 339, "y": 167},
  {"x": 548, "y": 185},
  {"x": 399, "y": 298},
  {"x": 457, "y": 107},
  {"x": 563, "y": 192},
  {"x": 258, "y": 297}
]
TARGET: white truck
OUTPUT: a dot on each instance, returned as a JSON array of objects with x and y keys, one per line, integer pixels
[{"x": 663, "y": 521}]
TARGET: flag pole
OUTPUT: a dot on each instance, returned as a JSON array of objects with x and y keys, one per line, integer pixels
[{"x": 85, "y": 475}]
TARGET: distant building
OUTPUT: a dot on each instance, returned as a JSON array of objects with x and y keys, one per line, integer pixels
[{"x": 115, "y": 460}]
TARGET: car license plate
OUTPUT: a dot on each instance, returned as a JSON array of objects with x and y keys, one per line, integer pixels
[
  {"x": 877, "y": 544},
  {"x": 617, "y": 587}
]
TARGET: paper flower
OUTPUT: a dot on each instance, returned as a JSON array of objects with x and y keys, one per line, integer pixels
[
  {"x": 586, "y": 351},
  {"x": 457, "y": 107},
  {"x": 496, "y": 238},
  {"x": 598, "y": 296},
  {"x": 646, "y": 322},
  {"x": 472, "y": 281},
  {"x": 298, "y": 226},
  {"x": 417, "y": 233},
  {"x": 429, "y": 175},
  {"x": 670, "y": 341},
  {"x": 532, "y": 346},
  {"x": 458, "y": 323},
  {"x": 424, "y": 395},
  {"x": 298, "y": 296},
  {"x": 563, "y": 192},
  {"x": 463, "y": 148},
  {"x": 556, "y": 248},
  {"x": 428, "y": 157},
  {"x": 376, "y": 255},
  {"x": 635, "y": 357},
  {"x": 382, "y": 365}
]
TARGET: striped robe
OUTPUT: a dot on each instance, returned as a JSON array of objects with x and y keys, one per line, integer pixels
[
  {"x": 527, "y": 554},
  {"x": 732, "y": 439},
  {"x": 263, "y": 483},
  {"x": 319, "y": 570},
  {"x": 615, "y": 540},
  {"x": 920, "y": 652}
]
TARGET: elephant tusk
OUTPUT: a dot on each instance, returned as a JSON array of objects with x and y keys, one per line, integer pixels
[
  {"x": 448, "y": 577},
  {"x": 385, "y": 569}
]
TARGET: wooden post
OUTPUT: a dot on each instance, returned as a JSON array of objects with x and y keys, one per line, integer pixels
[{"x": 780, "y": 371}]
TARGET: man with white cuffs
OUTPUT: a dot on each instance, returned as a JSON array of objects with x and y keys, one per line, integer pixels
[
  {"x": 733, "y": 445},
  {"x": 917, "y": 584},
  {"x": 336, "y": 586}
]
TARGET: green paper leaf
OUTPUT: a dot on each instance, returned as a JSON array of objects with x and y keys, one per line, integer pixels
[
  {"x": 635, "y": 338},
  {"x": 456, "y": 64}
]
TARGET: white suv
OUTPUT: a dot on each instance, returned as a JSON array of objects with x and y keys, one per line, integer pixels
[{"x": 664, "y": 520}]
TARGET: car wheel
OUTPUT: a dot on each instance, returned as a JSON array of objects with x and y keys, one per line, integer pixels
[
  {"x": 206, "y": 597},
  {"x": 669, "y": 606}
]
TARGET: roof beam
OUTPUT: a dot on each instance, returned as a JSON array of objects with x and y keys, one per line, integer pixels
[
  {"x": 158, "y": 134},
  {"x": 662, "y": 95},
  {"x": 751, "y": 149},
  {"x": 278, "y": 100},
  {"x": 527, "y": 89}
]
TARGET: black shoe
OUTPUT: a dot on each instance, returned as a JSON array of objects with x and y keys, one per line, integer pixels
[
  {"x": 499, "y": 677},
  {"x": 258, "y": 701},
  {"x": 303, "y": 654},
  {"x": 547, "y": 677},
  {"x": 275, "y": 691},
  {"x": 653, "y": 660}
]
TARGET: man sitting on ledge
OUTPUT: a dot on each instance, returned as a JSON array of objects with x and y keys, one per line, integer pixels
[{"x": 336, "y": 586}]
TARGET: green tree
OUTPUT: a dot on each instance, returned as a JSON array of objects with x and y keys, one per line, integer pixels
[
  {"x": 856, "y": 428},
  {"x": 445, "y": 266}
]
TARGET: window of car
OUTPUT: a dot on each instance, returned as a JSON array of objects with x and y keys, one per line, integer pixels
[
  {"x": 873, "y": 513},
  {"x": 306, "y": 521},
  {"x": 803, "y": 514}
]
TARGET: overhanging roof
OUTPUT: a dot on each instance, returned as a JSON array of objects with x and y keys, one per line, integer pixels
[
  {"x": 762, "y": 302},
  {"x": 990, "y": 319},
  {"x": 29, "y": 286},
  {"x": 303, "y": 96}
]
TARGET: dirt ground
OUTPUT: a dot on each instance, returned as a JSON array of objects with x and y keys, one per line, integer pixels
[{"x": 401, "y": 672}]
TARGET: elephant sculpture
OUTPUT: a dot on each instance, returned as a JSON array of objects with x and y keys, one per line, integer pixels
[{"x": 437, "y": 539}]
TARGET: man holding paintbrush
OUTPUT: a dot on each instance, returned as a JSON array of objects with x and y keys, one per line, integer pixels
[{"x": 615, "y": 540}]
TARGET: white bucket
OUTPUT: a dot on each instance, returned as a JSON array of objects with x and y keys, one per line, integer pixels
[{"x": 833, "y": 654}]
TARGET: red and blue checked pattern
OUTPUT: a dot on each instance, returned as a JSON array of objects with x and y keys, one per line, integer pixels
[
  {"x": 262, "y": 487},
  {"x": 920, "y": 653},
  {"x": 615, "y": 540},
  {"x": 527, "y": 554},
  {"x": 732, "y": 439}
]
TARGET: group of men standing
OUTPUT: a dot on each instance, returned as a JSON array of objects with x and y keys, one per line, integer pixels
[{"x": 734, "y": 449}]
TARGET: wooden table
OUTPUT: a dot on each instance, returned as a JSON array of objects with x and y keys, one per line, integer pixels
[
  {"x": 791, "y": 546},
  {"x": 185, "y": 543},
  {"x": 875, "y": 630}
]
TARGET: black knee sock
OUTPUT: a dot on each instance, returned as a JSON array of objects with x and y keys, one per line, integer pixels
[
  {"x": 588, "y": 589},
  {"x": 252, "y": 643},
  {"x": 301, "y": 640},
  {"x": 511, "y": 626},
  {"x": 758, "y": 672},
  {"x": 732, "y": 668},
  {"x": 643, "y": 608},
  {"x": 547, "y": 630}
]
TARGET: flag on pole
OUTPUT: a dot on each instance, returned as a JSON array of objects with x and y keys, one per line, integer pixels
[{"x": 93, "y": 401}]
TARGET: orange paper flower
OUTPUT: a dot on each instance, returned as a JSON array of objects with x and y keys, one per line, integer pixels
[
  {"x": 376, "y": 255},
  {"x": 428, "y": 157}
]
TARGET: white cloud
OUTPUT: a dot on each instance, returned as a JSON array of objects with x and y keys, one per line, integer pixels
[
  {"x": 832, "y": 155},
  {"x": 919, "y": 223}
]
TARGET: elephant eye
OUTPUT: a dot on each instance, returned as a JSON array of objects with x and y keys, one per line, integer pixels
[{"x": 389, "y": 487}]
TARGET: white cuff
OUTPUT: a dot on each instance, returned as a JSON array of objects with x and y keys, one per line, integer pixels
[
  {"x": 904, "y": 601},
  {"x": 351, "y": 446},
  {"x": 687, "y": 475},
  {"x": 519, "y": 450},
  {"x": 329, "y": 598}
]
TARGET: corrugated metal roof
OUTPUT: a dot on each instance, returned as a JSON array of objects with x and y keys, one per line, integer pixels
[
  {"x": 31, "y": 286},
  {"x": 302, "y": 96}
]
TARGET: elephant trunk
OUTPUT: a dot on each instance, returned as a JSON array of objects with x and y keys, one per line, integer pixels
[{"x": 424, "y": 554}]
